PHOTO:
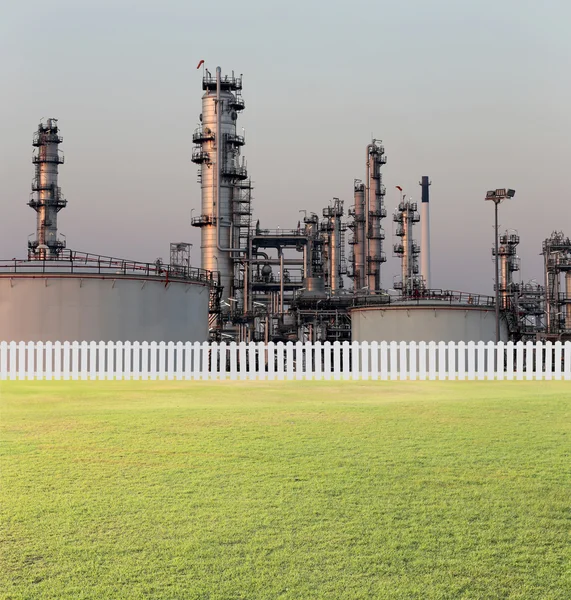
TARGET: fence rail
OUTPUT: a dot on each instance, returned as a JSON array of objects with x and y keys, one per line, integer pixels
[{"x": 279, "y": 361}]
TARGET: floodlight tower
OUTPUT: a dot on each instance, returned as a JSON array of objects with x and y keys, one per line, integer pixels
[{"x": 496, "y": 196}]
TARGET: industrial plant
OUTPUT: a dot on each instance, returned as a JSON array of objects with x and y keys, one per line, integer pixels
[{"x": 320, "y": 281}]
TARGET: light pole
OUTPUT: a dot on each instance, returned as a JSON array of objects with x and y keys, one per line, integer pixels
[{"x": 496, "y": 196}]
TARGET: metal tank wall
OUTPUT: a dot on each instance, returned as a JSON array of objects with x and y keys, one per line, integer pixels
[
  {"x": 76, "y": 308},
  {"x": 425, "y": 324}
]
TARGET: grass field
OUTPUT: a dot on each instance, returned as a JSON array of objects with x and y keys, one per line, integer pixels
[{"x": 285, "y": 490}]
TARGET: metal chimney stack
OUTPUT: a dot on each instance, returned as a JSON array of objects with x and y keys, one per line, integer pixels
[
  {"x": 425, "y": 232},
  {"x": 46, "y": 198}
]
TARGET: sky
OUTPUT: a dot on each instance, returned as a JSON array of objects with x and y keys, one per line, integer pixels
[{"x": 474, "y": 94}]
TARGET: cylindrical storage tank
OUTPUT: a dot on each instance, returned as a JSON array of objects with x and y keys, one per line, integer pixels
[
  {"x": 48, "y": 307},
  {"x": 425, "y": 323}
]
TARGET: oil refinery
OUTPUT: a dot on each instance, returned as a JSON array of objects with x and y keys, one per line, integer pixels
[{"x": 319, "y": 281}]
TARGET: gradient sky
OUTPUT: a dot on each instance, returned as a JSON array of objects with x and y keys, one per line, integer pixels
[{"x": 475, "y": 94}]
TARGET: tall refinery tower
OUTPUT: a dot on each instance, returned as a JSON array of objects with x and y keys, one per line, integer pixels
[
  {"x": 367, "y": 212},
  {"x": 225, "y": 197},
  {"x": 46, "y": 199}
]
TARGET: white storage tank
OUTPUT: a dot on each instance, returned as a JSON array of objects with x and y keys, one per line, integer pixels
[
  {"x": 95, "y": 300},
  {"x": 427, "y": 321}
]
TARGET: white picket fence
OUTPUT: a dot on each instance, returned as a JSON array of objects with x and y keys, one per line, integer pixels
[{"x": 259, "y": 361}]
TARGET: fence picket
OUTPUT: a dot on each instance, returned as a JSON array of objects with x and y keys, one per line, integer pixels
[
  {"x": 336, "y": 360},
  {"x": 127, "y": 361},
  {"x": 529, "y": 360},
  {"x": 30, "y": 359},
  {"x": 205, "y": 360},
  {"x": 280, "y": 360},
  {"x": 442, "y": 362},
  {"x": 461, "y": 362},
  {"x": 222, "y": 364},
  {"x": 251, "y": 361},
  {"x": 403, "y": 362},
  {"x": 345, "y": 348},
  {"x": 289, "y": 360},
  {"x": 374, "y": 361},
  {"x": 393, "y": 364},
  {"x": 412, "y": 353},
  {"x": 327, "y": 350},
  {"x": 491, "y": 362},
  {"x": 510, "y": 353},
  {"x": 422, "y": 371},
  {"x": 317, "y": 362},
  {"x": 145, "y": 361},
  {"x": 196, "y": 361},
  {"x": 170, "y": 360},
  {"x": 567, "y": 361},
  {"x": 481, "y": 361},
  {"x": 452, "y": 361},
  {"x": 212, "y": 364},
  {"x": 162, "y": 360},
  {"x": 40, "y": 374},
  {"x": 539, "y": 360},
  {"x": 364, "y": 360},
  {"x": 500, "y": 366},
  {"x": 432, "y": 360},
  {"x": 558, "y": 357},
  {"x": 271, "y": 354},
  {"x": 519, "y": 360},
  {"x": 355, "y": 362},
  {"x": 57, "y": 361},
  {"x": 471, "y": 356},
  {"x": 3, "y": 360},
  {"x": 309, "y": 361},
  {"x": 74, "y": 360},
  {"x": 118, "y": 362}
]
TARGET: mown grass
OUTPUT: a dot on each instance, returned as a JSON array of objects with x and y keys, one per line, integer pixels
[{"x": 285, "y": 490}]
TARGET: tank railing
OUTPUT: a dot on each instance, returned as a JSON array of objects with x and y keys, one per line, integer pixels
[
  {"x": 421, "y": 296},
  {"x": 452, "y": 297},
  {"x": 71, "y": 261}
]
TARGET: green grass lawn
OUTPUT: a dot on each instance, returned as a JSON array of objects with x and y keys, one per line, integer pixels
[{"x": 298, "y": 490}]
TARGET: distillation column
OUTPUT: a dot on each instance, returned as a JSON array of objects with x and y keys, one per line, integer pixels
[
  {"x": 406, "y": 215},
  {"x": 217, "y": 151},
  {"x": 557, "y": 260},
  {"x": 335, "y": 243},
  {"x": 358, "y": 241},
  {"x": 46, "y": 199},
  {"x": 425, "y": 232},
  {"x": 374, "y": 212},
  {"x": 509, "y": 262}
]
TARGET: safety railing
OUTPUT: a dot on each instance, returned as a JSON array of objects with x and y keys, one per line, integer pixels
[{"x": 72, "y": 262}]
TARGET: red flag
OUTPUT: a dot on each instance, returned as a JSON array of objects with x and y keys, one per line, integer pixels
[
  {"x": 398, "y": 187},
  {"x": 200, "y": 64}
]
